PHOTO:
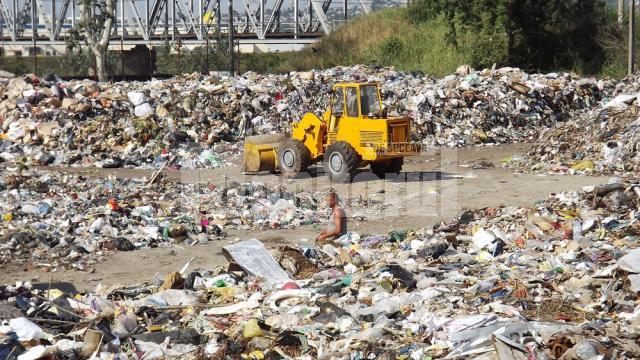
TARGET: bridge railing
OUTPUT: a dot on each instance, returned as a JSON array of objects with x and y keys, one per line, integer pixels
[{"x": 146, "y": 20}]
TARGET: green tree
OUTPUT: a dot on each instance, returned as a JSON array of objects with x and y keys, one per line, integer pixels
[
  {"x": 96, "y": 22},
  {"x": 533, "y": 34}
]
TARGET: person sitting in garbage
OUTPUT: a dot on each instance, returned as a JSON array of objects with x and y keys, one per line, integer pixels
[{"x": 337, "y": 225}]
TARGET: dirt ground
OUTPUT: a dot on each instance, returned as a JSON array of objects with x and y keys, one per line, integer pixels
[{"x": 434, "y": 187}]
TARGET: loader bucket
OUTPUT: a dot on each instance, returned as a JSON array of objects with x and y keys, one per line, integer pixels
[{"x": 260, "y": 152}]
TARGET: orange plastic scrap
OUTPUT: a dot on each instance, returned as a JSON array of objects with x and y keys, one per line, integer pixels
[
  {"x": 520, "y": 293},
  {"x": 113, "y": 205}
]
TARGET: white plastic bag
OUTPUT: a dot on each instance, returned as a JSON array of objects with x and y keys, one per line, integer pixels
[{"x": 25, "y": 329}]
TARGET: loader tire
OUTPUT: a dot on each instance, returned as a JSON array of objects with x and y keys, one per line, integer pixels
[
  {"x": 392, "y": 166},
  {"x": 293, "y": 158},
  {"x": 341, "y": 162},
  {"x": 396, "y": 165}
]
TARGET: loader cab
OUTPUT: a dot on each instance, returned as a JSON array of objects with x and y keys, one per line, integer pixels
[
  {"x": 370, "y": 101},
  {"x": 352, "y": 101}
]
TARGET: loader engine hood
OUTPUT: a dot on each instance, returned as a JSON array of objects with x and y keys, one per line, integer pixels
[{"x": 387, "y": 138}]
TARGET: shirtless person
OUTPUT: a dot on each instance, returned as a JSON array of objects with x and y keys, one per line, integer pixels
[{"x": 337, "y": 225}]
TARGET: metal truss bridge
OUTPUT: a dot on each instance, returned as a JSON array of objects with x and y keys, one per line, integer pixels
[{"x": 152, "y": 22}]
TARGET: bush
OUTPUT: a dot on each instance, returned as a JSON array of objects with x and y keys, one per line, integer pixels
[
  {"x": 490, "y": 47},
  {"x": 77, "y": 62},
  {"x": 15, "y": 64},
  {"x": 390, "y": 50},
  {"x": 173, "y": 58}
]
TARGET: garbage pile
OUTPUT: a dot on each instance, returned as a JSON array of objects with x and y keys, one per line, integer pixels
[
  {"x": 197, "y": 121},
  {"x": 558, "y": 280},
  {"x": 608, "y": 140},
  {"x": 494, "y": 106},
  {"x": 69, "y": 221},
  {"x": 82, "y": 123}
]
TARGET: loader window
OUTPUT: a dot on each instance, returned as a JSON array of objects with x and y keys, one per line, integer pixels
[
  {"x": 352, "y": 102},
  {"x": 337, "y": 108},
  {"x": 369, "y": 102}
]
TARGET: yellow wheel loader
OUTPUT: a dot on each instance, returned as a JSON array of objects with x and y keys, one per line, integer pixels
[{"x": 354, "y": 132}]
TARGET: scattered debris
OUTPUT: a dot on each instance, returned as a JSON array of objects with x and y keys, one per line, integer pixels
[
  {"x": 71, "y": 221},
  {"x": 556, "y": 280}
]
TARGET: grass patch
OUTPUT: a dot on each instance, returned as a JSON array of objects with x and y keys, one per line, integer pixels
[{"x": 386, "y": 37}]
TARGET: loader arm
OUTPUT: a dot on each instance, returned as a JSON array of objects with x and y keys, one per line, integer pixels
[{"x": 311, "y": 131}]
